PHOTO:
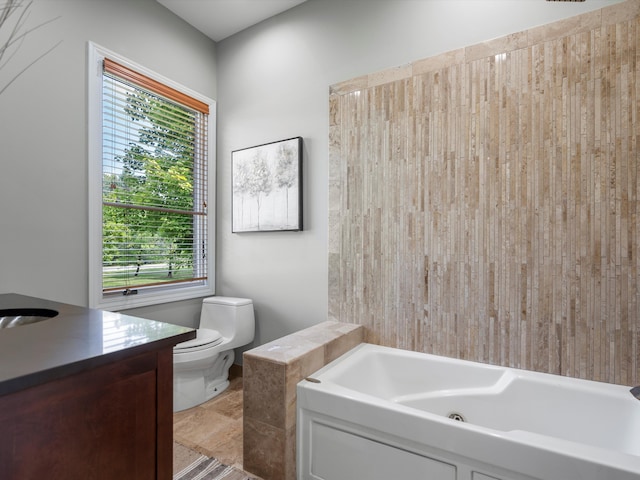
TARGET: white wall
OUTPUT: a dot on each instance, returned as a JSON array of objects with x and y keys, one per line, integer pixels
[
  {"x": 43, "y": 136},
  {"x": 273, "y": 83}
]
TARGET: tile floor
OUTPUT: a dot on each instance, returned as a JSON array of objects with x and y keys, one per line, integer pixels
[{"x": 215, "y": 427}]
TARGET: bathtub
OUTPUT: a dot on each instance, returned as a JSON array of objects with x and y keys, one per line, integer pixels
[{"x": 379, "y": 413}]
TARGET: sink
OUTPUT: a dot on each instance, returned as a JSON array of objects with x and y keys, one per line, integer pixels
[{"x": 14, "y": 317}]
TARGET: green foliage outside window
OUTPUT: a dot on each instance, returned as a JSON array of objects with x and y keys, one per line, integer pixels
[{"x": 148, "y": 190}]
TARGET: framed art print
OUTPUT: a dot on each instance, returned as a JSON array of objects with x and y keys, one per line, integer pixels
[{"x": 267, "y": 187}]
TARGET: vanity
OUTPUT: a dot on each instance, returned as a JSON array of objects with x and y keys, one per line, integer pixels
[{"x": 84, "y": 393}]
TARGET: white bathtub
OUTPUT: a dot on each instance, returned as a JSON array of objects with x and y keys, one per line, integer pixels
[{"x": 383, "y": 413}]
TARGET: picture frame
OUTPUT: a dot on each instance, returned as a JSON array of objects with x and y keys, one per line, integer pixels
[{"x": 266, "y": 186}]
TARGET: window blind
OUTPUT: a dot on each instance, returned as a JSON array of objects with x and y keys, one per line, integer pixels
[{"x": 154, "y": 191}]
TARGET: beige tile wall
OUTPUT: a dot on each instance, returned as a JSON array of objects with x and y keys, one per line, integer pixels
[
  {"x": 271, "y": 373},
  {"x": 484, "y": 203}
]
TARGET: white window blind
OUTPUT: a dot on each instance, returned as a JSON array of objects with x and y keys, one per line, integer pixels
[{"x": 154, "y": 185}]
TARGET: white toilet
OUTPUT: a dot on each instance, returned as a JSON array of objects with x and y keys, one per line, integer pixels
[{"x": 201, "y": 366}]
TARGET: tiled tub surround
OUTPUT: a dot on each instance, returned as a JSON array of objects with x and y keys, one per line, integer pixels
[
  {"x": 270, "y": 375},
  {"x": 484, "y": 203}
]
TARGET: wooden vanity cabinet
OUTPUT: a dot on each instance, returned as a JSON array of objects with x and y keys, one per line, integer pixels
[{"x": 111, "y": 422}]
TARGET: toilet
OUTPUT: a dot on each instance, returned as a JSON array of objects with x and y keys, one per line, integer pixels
[{"x": 201, "y": 366}]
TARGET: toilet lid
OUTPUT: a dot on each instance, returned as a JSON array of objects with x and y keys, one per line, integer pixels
[{"x": 205, "y": 338}]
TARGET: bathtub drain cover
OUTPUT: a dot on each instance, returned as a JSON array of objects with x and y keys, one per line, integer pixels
[{"x": 457, "y": 417}]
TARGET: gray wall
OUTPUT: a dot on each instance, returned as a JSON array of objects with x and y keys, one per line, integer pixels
[
  {"x": 43, "y": 135},
  {"x": 271, "y": 82}
]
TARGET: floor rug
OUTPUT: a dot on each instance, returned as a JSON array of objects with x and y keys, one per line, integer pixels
[{"x": 191, "y": 465}]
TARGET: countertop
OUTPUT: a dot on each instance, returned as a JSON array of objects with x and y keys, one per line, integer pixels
[{"x": 75, "y": 340}]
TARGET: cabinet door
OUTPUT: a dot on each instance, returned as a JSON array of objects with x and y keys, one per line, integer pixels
[{"x": 99, "y": 424}]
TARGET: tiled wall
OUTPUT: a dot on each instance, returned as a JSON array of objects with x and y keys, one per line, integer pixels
[
  {"x": 271, "y": 374},
  {"x": 484, "y": 204}
]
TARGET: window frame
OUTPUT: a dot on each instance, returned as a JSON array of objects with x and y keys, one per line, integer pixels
[{"x": 154, "y": 295}]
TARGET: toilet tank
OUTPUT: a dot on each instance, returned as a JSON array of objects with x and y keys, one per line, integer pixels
[{"x": 233, "y": 317}]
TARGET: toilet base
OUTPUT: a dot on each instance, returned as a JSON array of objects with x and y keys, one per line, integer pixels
[{"x": 192, "y": 387}]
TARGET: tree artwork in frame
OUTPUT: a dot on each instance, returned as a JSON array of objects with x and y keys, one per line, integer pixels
[{"x": 267, "y": 187}]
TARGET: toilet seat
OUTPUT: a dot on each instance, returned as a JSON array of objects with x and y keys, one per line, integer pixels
[{"x": 205, "y": 338}]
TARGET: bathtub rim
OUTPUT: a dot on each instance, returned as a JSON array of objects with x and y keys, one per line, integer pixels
[{"x": 626, "y": 464}]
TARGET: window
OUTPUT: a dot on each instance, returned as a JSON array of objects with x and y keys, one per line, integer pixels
[{"x": 150, "y": 167}]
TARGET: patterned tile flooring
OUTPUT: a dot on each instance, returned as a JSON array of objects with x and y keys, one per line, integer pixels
[{"x": 214, "y": 428}]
